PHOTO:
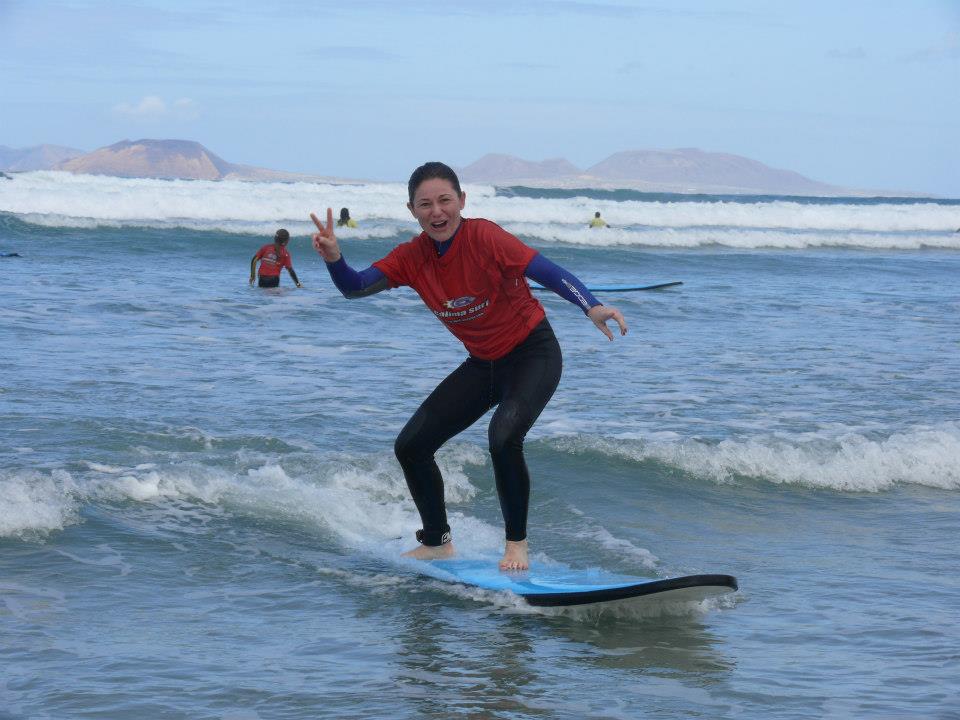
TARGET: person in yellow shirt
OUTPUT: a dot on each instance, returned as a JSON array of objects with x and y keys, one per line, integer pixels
[
  {"x": 598, "y": 222},
  {"x": 345, "y": 219}
]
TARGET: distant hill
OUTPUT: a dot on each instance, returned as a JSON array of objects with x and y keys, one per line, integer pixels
[
  {"x": 38, "y": 157},
  {"x": 494, "y": 167},
  {"x": 685, "y": 170},
  {"x": 690, "y": 169},
  {"x": 173, "y": 159},
  {"x": 151, "y": 159}
]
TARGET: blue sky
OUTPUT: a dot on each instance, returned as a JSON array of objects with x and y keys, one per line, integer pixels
[{"x": 855, "y": 93}]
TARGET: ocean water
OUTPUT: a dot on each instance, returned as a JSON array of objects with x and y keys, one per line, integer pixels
[{"x": 201, "y": 515}]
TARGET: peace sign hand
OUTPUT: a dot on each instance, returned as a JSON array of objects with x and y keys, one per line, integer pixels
[{"x": 324, "y": 240}]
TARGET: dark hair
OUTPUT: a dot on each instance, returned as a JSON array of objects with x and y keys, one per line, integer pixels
[
  {"x": 597, "y": 214},
  {"x": 344, "y": 214},
  {"x": 430, "y": 171},
  {"x": 281, "y": 236}
]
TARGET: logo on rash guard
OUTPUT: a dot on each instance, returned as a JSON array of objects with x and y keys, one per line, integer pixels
[
  {"x": 460, "y": 310},
  {"x": 458, "y": 302}
]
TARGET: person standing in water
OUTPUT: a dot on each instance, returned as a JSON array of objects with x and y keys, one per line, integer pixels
[
  {"x": 472, "y": 274},
  {"x": 598, "y": 222},
  {"x": 273, "y": 258},
  {"x": 345, "y": 219}
]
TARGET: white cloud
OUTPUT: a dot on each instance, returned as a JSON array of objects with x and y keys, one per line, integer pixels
[
  {"x": 185, "y": 108},
  {"x": 151, "y": 106}
]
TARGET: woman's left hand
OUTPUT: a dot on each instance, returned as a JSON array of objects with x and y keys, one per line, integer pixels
[{"x": 601, "y": 313}]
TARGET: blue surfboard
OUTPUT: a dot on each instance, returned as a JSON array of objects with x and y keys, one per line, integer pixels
[
  {"x": 555, "y": 586},
  {"x": 620, "y": 288}
]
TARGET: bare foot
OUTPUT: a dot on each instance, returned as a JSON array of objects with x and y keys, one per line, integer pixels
[
  {"x": 515, "y": 556},
  {"x": 431, "y": 552}
]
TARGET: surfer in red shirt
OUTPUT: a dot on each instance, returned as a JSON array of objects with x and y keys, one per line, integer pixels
[
  {"x": 472, "y": 274},
  {"x": 273, "y": 258}
]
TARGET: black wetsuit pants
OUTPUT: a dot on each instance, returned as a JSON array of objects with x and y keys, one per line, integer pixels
[{"x": 520, "y": 384}]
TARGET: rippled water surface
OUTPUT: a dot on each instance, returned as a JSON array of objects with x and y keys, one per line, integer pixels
[{"x": 201, "y": 515}]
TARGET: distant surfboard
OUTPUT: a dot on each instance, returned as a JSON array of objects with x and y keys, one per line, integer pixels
[
  {"x": 557, "y": 586},
  {"x": 9, "y": 254},
  {"x": 620, "y": 288}
]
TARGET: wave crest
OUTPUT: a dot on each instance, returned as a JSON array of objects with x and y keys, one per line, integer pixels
[
  {"x": 32, "y": 502},
  {"x": 928, "y": 456},
  {"x": 63, "y": 200}
]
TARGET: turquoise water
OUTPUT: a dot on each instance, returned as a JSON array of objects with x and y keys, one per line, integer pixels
[{"x": 200, "y": 513}]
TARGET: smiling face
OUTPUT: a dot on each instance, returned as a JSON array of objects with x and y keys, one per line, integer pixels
[{"x": 436, "y": 206}]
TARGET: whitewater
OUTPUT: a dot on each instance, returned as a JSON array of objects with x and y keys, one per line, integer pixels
[
  {"x": 55, "y": 198},
  {"x": 201, "y": 514}
]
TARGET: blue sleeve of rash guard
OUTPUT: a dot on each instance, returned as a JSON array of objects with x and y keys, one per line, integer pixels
[
  {"x": 562, "y": 282},
  {"x": 355, "y": 284}
]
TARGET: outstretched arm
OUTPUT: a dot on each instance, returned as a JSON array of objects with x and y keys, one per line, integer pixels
[
  {"x": 355, "y": 284},
  {"x": 563, "y": 282},
  {"x": 569, "y": 287},
  {"x": 351, "y": 283}
]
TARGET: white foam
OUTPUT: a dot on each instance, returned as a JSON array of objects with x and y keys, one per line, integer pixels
[
  {"x": 362, "y": 502},
  {"x": 928, "y": 456},
  {"x": 743, "y": 238},
  {"x": 33, "y": 502},
  {"x": 62, "y": 199},
  {"x": 623, "y": 548},
  {"x": 102, "y": 198},
  {"x": 101, "y": 556},
  {"x": 100, "y": 467},
  {"x": 148, "y": 486}
]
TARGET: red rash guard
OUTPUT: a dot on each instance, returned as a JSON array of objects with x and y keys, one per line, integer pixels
[
  {"x": 271, "y": 264},
  {"x": 477, "y": 289}
]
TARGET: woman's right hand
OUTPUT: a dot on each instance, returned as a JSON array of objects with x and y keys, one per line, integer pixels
[
  {"x": 324, "y": 240},
  {"x": 601, "y": 313}
]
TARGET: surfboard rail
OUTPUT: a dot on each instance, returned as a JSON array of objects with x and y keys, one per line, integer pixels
[
  {"x": 713, "y": 584},
  {"x": 620, "y": 288}
]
